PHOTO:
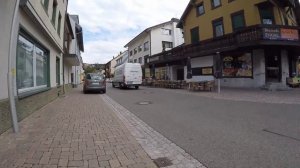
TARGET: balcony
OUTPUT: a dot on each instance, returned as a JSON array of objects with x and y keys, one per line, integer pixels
[{"x": 253, "y": 36}]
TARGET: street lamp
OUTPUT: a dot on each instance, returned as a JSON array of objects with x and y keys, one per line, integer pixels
[{"x": 12, "y": 71}]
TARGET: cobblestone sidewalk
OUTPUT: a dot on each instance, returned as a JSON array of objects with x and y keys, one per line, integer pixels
[{"x": 75, "y": 131}]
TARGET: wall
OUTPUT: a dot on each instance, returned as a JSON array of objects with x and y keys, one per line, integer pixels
[
  {"x": 157, "y": 37},
  {"x": 45, "y": 17},
  {"x": 200, "y": 62},
  {"x": 67, "y": 73},
  {"x": 135, "y": 44},
  {"x": 178, "y": 38},
  {"x": 6, "y": 14},
  {"x": 259, "y": 76},
  {"x": 284, "y": 66},
  {"x": 204, "y": 21}
]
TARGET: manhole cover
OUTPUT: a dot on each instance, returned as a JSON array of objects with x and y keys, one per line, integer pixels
[
  {"x": 144, "y": 103},
  {"x": 162, "y": 162}
]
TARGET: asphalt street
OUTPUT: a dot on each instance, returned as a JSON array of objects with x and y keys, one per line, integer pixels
[{"x": 219, "y": 133}]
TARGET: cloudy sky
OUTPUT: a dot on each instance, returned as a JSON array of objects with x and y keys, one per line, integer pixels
[{"x": 109, "y": 24}]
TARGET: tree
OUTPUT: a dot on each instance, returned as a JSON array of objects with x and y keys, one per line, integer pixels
[{"x": 90, "y": 69}]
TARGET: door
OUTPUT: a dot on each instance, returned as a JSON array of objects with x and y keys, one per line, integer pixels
[
  {"x": 180, "y": 74},
  {"x": 273, "y": 65}
]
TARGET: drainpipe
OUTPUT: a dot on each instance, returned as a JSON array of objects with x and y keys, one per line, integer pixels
[{"x": 12, "y": 72}]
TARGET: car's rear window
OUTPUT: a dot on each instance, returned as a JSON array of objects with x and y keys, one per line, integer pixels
[{"x": 94, "y": 77}]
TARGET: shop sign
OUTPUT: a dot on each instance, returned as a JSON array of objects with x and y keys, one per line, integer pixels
[
  {"x": 271, "y": 33},
  {"x": 281, "y": 34},
  {"x": 289, "y": 34},
  {"x": 207, "y": 71}
]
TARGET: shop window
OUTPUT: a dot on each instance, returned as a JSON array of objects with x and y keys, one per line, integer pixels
[
  {"x": 238, "y": 20},
  {"x": 32, "y": 65},
  {"x": 202, "y": 71},
  {"x": 237, "y": 66},
  {"x": 218, "y": 27},
  {"x": 195, "y": 35}
]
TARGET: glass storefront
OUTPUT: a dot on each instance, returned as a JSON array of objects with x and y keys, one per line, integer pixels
[{"x": 32, "y": 65}]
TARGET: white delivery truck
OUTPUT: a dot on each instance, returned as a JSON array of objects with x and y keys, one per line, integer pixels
[{"x": 128, "y": 75}]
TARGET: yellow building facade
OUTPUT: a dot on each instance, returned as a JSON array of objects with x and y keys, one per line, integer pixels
[
  {"x": 246, "y": 43},
  {"x": 250, "y": 9}
]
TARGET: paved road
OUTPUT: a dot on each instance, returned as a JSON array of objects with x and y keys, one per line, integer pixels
[{"x": 220, "y": 133}]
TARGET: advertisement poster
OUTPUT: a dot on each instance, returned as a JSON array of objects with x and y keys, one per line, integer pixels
[{"x": 237, "y": 66}]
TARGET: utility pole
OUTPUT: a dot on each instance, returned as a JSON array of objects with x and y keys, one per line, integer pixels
[{"x": 12, "y": 71}]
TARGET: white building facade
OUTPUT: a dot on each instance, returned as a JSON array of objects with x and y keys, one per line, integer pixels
[
  {"x": 37, "y": 58},
  {"x": 153, "y": 40}
]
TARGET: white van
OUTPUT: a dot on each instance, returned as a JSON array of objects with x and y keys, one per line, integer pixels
[{"x": 128, "y": 75}]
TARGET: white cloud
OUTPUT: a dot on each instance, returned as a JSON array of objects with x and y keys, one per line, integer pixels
[{"x": 109, "y": 24}]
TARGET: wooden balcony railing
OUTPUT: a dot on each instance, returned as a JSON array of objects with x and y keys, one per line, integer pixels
[{"x": 250, "y": 36}]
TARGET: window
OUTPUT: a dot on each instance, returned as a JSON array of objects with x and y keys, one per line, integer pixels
[
  {"x": 59, "y": 24},
  {"x": 45, "y": 4},
  {"x": 130, "y": 53},
  {"x": 266, "y": 15},
  {"x": 200, "y": 9},
  {"x": 215, "y": 3},
  {"x": 141, "y": 60},
  {"x": 195, "y": 35},
  {"x": 32, "y": 65},
  {"x": 54, "y": 12},
  {"x": 146, "y": 46},
  {"x": 166, "y": 44},
  {"x": 135, "y": 51},
  {"x": 166, "y": 31},
  {"x": 218, "y": 27},
  {"x": 135, "y": 60},
  {"x": 140, "y": 48},
  {"x": 238, "y": 20}
]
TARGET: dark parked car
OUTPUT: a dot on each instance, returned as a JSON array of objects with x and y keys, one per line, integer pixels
[{"x": 94, "y": 82}]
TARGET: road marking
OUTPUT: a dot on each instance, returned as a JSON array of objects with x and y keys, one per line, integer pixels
[{"x": 282, "y": 135}]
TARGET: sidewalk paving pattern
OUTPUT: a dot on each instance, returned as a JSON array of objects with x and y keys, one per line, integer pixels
[{"x": 75, "y": 131}]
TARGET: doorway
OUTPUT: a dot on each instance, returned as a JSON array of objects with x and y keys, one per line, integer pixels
[
  {"x": 273, "y": 65},
  {"x": 180, "y": 74}
]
